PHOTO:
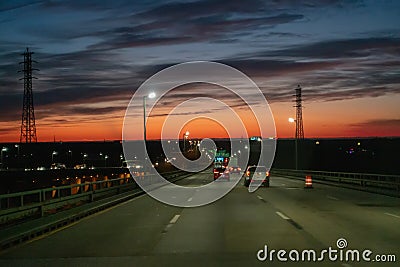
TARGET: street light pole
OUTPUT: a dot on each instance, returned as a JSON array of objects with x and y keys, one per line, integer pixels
[
  {"x": 17, "y": 146},
  {"x": 151, "y": 95},
  {"x": 70, "y": 153},
  {"x": 295, "y": 148},
  {"x": 84, "y": 158},
  {"x": 4, "y": 149},
  {"x": 291, "y": 120},
  {"x": 52, "y": 156},
  {"x": 144, "y": 119},
  {"x": 185, "y": 137}
]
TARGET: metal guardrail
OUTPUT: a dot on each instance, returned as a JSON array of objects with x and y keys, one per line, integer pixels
[
  {"x": 37, "y": 203},
  {"x": 377, "y": 183}
]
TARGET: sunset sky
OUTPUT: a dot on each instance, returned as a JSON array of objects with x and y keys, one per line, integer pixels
[{"x": 93, "y": 55}]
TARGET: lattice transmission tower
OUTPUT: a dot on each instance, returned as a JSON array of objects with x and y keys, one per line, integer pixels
[
  {"x": 299, "y": 114},
  {"x": 28, "y": 125}
]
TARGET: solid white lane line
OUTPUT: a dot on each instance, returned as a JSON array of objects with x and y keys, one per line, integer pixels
[
  {"x": 260, "y": 198},
  {"x": 393, "y": 215},
  {"x": 173, "y": 220},
  {"x": 190, "y": 199},
  {"x": 283, "y": 216},
  {"x": 331, "y": 197}
]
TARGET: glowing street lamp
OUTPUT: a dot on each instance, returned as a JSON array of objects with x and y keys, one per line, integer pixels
[
  {"x": 4, "y": 149},
  {"x": 52, "y": 156},
  {"x": 105, "y": 160},
  {"x": 17, "y": 147},
  {"x": 185, "y": 137}
]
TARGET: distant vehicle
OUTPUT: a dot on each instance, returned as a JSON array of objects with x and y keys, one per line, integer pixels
[
  {"x": 136, "y": 167},
  {"x": 80, "y": 166},
  {"x": 40, "y": 168},
  {"x": 225, "y": 175},
  {"x": 56, "y": 166},
  {"x": 256, "y": 173},
  {"x": 218, "y": 170},
  {"x": 221, "y": 162},
  {"x": 235, "y": 169}
]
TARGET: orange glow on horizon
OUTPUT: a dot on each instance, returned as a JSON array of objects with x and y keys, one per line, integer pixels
[{"x": 346, "y": 118}]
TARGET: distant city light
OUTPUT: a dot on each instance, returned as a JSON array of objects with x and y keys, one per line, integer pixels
[{"x": 291, "y": 120}]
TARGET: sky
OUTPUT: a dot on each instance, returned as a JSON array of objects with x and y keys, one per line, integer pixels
[{"x": 93, "y": 55}]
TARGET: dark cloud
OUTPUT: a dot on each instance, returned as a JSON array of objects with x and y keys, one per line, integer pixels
[
  {"x": 71, "y": 82},
  {"x": 211, "y": 28},
  {"x": 380, "y": 123},
  {"x": 333, "y": 49},
  {"x": 385, "y": 122},
  {"x": 12, "y": 5}
]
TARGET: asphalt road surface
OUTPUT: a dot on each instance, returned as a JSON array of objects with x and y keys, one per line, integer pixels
[{"x": 228, "y": 232}]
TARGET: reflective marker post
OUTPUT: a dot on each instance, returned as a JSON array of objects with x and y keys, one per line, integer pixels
[{"x": 308, "y": 183}]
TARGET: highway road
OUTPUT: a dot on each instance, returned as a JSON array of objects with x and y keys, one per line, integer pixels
[{"x": 229, "y": 232}]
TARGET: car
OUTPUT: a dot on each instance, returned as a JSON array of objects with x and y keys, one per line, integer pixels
[
  {"x": 57, "y": 166},
  {"x": 218, "y": 171},
  {"x": 225, "y": 175},
  {"x": 80, "y": 166},
  {"x": 221, "y": 172},
  {"x": 235, "y": 169},
  {"x": 256, "y": 173}
]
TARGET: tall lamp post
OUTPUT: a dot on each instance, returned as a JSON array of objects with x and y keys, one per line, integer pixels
[
  {"x": 17, "y": 147},
  {"x": 85, "y": 157},
  {"x": 105, "y": 160},
  {"x": 185, "y": 137},
  {"x": 291, "y": 120},
  {"x": 4, "y": 149},
  {"x": 52, "y": 156},
  {"x": 151, "y": 95},
  {"x": 70, "y": 159}
]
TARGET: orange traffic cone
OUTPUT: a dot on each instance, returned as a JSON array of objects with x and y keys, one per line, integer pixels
[{"x": 308, "y": 183}]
